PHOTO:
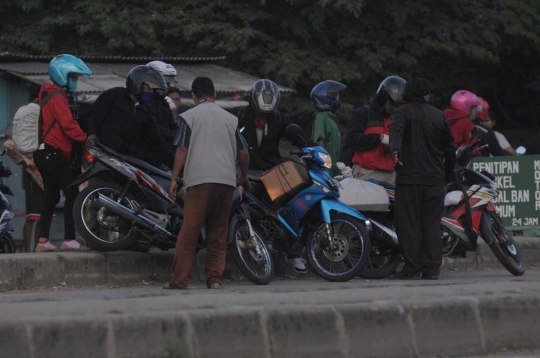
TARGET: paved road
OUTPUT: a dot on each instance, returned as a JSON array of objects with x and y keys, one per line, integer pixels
[{"x": 472, "y": 283}]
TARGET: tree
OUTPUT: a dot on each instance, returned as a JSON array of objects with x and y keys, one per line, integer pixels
[{"x": 489, "y": 47}]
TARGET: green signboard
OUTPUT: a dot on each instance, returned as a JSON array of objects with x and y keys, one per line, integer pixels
[{"x": 518, "y": 180}]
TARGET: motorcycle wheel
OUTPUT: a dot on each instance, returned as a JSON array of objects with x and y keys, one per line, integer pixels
[
  {"x": 100, "y": 229},
  {"x": 503, "y": 245},
  {"x": 381, "y": 265},
  {"x": 350, "y": 256},
  {"x": 7, "y": 245},
  {"x": 258, "y": 268}
]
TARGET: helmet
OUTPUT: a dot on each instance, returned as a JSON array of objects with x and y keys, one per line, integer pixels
[
  {"x": 65, "y": 69},
  {"x": 483, "y": 109},
  {"x": 391, "y": 89},
  {"x": 463, "y": 101},
  {"x": 145, "y": 74},
  {"x": 265, "y": 96},
  {"x": 166, "y": 69},
  {"x": 324, "y": 95}
]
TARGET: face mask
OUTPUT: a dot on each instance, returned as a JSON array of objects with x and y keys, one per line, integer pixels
[
  {"x": 71, "y": 85},
  {"x": 145, "y": 97}
]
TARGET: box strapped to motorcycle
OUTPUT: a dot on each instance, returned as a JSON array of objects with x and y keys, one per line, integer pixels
[
  {"x": 285, "y": 181},
  {"x": 363, "y": 195}
]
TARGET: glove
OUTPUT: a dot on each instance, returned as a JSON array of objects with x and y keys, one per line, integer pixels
[
  {"x": 385, "y": 139},
  {"x": 91, "y": 140}
]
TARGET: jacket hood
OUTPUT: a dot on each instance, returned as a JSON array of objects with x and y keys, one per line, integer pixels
[
  {"x": 453, "y": 114},
  {"x": 48, "y": 87}
]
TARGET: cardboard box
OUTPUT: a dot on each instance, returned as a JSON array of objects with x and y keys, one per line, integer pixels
[{"x": 285, "y": 181}]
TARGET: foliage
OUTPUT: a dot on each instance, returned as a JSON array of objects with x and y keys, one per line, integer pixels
[{"x": 490, "y": 47}]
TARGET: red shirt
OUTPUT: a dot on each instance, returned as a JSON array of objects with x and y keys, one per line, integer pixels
[
  {"x": 66, "y": 129},
  {"x": 460, "y": 125}
]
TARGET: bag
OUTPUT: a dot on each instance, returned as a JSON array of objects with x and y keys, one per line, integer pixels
[
  {"x": 285, "y": 181},
  {"x": 363, "y": 196},
  {"x": 27, "y": 126}
]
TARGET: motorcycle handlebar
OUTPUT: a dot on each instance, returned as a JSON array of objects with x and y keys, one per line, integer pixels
[{"x": 297, "y": 152}]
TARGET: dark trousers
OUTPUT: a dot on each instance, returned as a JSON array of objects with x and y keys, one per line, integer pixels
[
  {"x": 56, "y": 174},
  {"x": 209, "y": 205},
  {"x": 418, "y": 213}
]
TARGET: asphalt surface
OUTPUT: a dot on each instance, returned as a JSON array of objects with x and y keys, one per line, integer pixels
[{"x": 469, "y": 283}]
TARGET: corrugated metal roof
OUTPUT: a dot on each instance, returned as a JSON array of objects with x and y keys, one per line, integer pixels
[
  {"x": 109, "y": 75},
  {"x": 9, "y": 56}
]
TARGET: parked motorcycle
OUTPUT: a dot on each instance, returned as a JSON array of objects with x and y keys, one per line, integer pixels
[
  {"x": 464, "y": 220},
  {"x": 124, "y": 205},
  {"x": 333, "y": 234},
  {"x": 7, "y": 245}
]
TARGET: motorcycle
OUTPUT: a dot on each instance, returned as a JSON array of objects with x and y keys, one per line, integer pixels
[
  {"x": 7, "y": 245},
  {"x": 471, "y": 216},
  {"x": 334, "y": 235},
  {"x": 124, "y": 205}
]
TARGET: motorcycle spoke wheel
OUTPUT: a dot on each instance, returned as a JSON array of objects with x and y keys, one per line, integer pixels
[{"x": 257, "y": 267}]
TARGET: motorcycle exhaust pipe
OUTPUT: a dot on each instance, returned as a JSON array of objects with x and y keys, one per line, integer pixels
[
  {"x": 389, "y": 235},
  {"x": 129, "y": 214}
]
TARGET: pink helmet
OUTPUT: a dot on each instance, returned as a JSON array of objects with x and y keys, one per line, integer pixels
[{"x": 463, "y": 101}]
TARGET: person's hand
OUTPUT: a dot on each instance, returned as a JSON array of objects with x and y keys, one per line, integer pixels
[
  {"x": 173, "y": 187},
  {"x": 385, "y": 139},
  {"x": 396, "y": 158},
  {"x": 241, "y": 180},
  {"x": 91, "y": 140}
]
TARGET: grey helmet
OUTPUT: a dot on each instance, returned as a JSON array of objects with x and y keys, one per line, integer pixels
[
  {"x": 166, "y": 69},
  {"x": 265, "y": 96},
  {"x": 391, "y": 89}
]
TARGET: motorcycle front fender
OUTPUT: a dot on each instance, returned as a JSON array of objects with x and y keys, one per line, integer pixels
[
  {"x": 239, "y": 214},
  {"x": 485, "y": 228},
  {"x": 329, "y": 205}
]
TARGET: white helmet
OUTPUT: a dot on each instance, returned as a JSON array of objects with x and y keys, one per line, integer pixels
[{"x": 166, "y": 69}]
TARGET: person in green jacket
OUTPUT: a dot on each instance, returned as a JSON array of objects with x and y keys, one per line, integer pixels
[{"x": 325, "y": 98}]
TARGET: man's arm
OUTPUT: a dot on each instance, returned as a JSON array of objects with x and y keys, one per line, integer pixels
[
  {"x": 449, "y": 151},
  {"x": 355, "y": 136},
  {"x": 397, "y": 129},
  {"x": 181, "y": 141}
]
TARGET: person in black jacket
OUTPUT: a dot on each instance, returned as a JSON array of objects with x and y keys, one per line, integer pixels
[
  {"x": 367, "y": 133},
  {"x": 264, "y": 126},
  {"x": 120, "y": 120},
  {"x": 423, "y": 149}
]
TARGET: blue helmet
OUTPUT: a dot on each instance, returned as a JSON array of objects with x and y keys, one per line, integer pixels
[
  {"x": 65, "y": 69},
  {"x": 324, "y": 96}
]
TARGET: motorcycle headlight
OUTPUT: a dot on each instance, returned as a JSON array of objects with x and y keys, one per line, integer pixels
[{"x": 327, "y": 160}]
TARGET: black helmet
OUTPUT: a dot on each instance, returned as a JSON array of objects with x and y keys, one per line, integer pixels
[
  {"x": 265, "y": 96},
  {"x": 145, "y": 74},
  {"x": 391, "y": 89},
  {"x": 324, "y": 95}
]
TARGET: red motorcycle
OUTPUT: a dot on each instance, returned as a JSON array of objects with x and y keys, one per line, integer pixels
[{"x": 475, "y": 215}]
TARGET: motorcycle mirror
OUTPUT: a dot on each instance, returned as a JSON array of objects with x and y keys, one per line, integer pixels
[
  {"x": 292, "y": 130},
  {"x": 521, "y": 150}
]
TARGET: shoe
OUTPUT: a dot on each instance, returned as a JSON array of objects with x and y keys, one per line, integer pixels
[
  {"x": 168, "y": 286},
  {"x": 46, "y": 247},
  {"x": 297, "y": 263},
  {"x": 73, "y": 245},
  {"x": 404, "y": 276},
  {"x": 430, "y": 276},
  {"x": 215, "y": 286}
]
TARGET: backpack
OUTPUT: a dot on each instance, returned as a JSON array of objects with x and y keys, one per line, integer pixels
[{"x": 27, "y": 126}]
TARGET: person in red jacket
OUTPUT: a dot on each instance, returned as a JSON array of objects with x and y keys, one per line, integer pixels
[
  {"x": 464, "y": 107},
  {"x": 368, "y": 133},
  {"x": 59, "y": 129}
]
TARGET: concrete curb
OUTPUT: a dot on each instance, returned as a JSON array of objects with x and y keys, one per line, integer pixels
[
  {"x": 18, "y": 271},
  {"x": 455, "y": 326}
]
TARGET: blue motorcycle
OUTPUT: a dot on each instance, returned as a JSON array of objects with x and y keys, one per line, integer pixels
[{"x": 334, "y": 235}]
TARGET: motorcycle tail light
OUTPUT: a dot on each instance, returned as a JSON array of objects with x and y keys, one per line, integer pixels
[{"x": 90, "y": 154}]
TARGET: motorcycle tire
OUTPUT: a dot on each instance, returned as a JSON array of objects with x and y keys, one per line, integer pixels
[
  {"x": 90, "y": 238},
  {"x": 258, "y": 268},
  {"x": 355, "y": 265},
  {"x": 491, "y": 228},
  {"x": 374, "y": 271},
  {"x": 7, "y": 244}
]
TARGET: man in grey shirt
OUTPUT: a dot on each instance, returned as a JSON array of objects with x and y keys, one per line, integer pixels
[{"x": 208, "y": 143}]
